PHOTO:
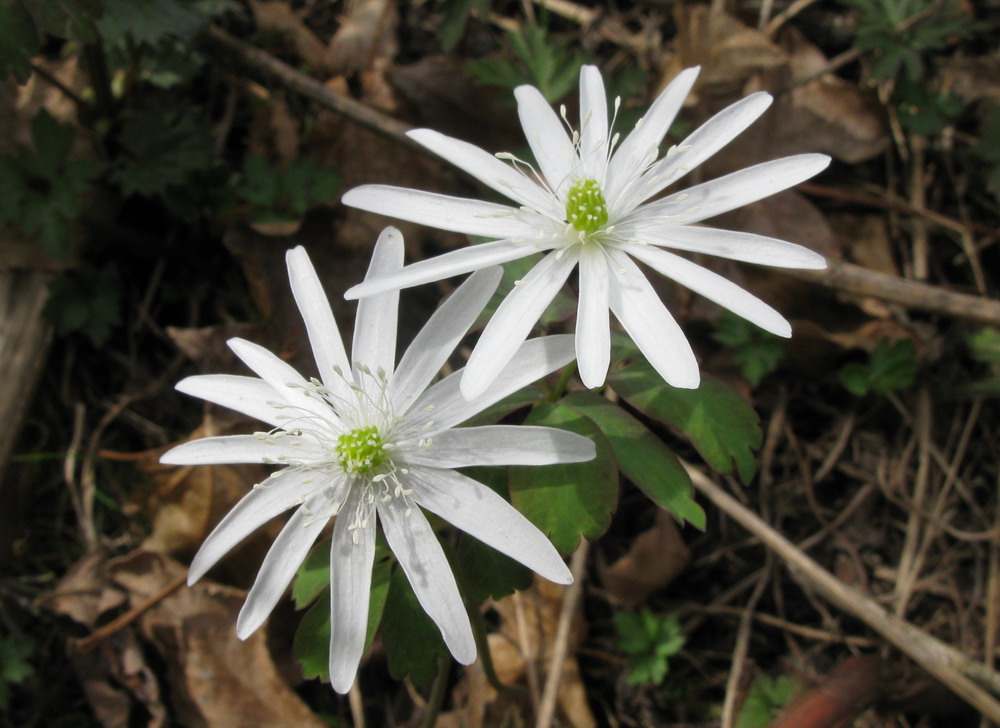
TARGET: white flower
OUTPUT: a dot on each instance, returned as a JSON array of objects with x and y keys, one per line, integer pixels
[
  {"x": 374, "y": 441},
  {"x": 589, "y": 203}
]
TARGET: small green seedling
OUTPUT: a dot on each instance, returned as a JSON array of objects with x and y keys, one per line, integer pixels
[
  {"x": 890, "y": 368},
  {"x": 649, "y": 641},
  {"x": 755, "y": 350},
  {"x": 767, "y": 697}
]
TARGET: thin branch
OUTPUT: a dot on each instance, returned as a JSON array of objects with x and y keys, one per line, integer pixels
[{"x": 973, "y": 681}]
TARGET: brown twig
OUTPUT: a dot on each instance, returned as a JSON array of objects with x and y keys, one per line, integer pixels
[
  {"x": 102, "y": 633},
  {"x": 859, "y": 281},
  {"x": 974, "y": 682},
  {"x": 547, "y": 708}
]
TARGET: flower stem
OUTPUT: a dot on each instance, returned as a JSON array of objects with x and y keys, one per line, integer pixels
[
  {"x": 436, "y": 698},
  {"x": 560, "y": 389}
]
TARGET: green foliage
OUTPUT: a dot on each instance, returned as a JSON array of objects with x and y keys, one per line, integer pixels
[
  {"x": 568, "y": 501},
  {"x": 548, "y": 63},
  {"x": 456, "y": 15},
  {"x": 641, "y": 456},
  {"x": 899, "y": 33},
  {"x": 485, "y": 573},
  {"x": 25, "y": 23},
  {"x": 765, "y": 700},
  {"x": 284, "y": 194},
  {"x": 755, "y": 350},
  {"x": 987, "y": 147},
  {"x": 649, "y": 641},
  {"x": 87, "y": 301},
  {"x": 720, "y": 424},
  {"x": 412, "y": 641},
  {"x": 923, "y": 111},
  {"x": 14, "y": 666},
  {"x": 149, "y": 21},
  {"x": 162, "y": 149},
  {"x": 41, "y": 188},
  {"x": 890, "y": 367},
  {"x": 984, "y": 346}
]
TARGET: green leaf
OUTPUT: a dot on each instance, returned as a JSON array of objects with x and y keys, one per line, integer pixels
[
  {"x": 755, "y": 350},
  {"x": 148, "y": 21},
  {"x": 765, "y": 700},
  {"x": 572, "y": 500},
  {"x": 891, "y": 367},
  {"x": 311, "y": 644},
  {"x": 485, "y": 573},
  {"x": 412, "y": 641},
  {"x": 313, "y": 575},
  {"x": 642, "y": 457},
  {"x": 649, "y": 640},
  {"x": 984, "y": 345},
  {"x": 720, "y": 424}
]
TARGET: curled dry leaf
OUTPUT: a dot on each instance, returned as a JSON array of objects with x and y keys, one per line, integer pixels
[
  {"x": 278, "y": 17},
  {"x": 368, "y": 28},
  {"x": 656, "y": 557}
]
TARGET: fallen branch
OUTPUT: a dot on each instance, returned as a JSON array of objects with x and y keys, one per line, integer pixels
[
  {"x": 860, "y": 281},
  {"x": 973, "y": 681}
]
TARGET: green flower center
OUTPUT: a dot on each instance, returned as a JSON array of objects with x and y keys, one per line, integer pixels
[
  {"x": 586, "y": 209},
  {"x": 361, "y": 450}
]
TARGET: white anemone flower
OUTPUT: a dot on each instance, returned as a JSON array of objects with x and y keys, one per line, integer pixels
[
  {"x": 590, "y": 203},
  {"x": 373, "y": 442}
]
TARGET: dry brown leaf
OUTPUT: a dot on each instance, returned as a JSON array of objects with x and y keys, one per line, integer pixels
[
  {"x": 656, "y": 557},
  {"x": 277, "y": 16},
  {"x": 367, "y": 28},
  {"x": 274, "y": 132},
  {"x": 185, "y": 502},
  {"x": 528, "y": 623},
  {"x": 206, "y": 346}
]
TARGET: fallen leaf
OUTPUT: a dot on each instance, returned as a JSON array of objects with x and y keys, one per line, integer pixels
[
  {"x": 656, "y": 557},
  {"x": 278, "y": 17},
  {"x": 368, "y": 28}
]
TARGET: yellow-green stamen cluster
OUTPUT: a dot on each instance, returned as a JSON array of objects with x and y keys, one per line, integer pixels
[
  {"x": 360, "y": 451},
  {"x": 586, "y": 209}
]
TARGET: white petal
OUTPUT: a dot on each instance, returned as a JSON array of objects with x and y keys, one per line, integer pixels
[
  {"x": 514, "y": 319},
  {"x": 731, "y": 191},
  {"x": 248, "y": 395},
  {"x": 489, "y": 170},
  {"x": 640, "y": 147},
  {"x": 436, "y": 341},
  {"x": 241, "y": 449},
  {"x": 593, "y": 123},
  {"x": 442, "y": 212},
  {"x": 593, "y": 332},
  {"x": 286, "y": 489},
  {"x": 286, "y": 383},
  {"x": 546, "y": 136},
  {"x": 375, "y": 325},
  {"x": 350, "y": 593},
  {"x": 442, "y": 406},
  {"x": 450, "y": 264},
  {"x": 501, "y": 445},
  {"x": 745, "y": 247},
  {"x": 416, "y": 547},
  {"x": 702, "y": 143},
  {"x": 321, "y": 327},
  {"x": 713, "y": 287},
  {"x": 652, "y": 328},
  {"x": 283, "y": 559},
  {"x": 477, "y": 510}
]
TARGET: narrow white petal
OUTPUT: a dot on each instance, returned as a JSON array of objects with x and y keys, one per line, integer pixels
[
  {"x": 713, "y": 287},
  {"x": 286, "y": 489},
  {"x": 241, "y": 449},
  {"x": 702, "y": 143},
  {"x": 477, "y": 510},
  {"x": 593, "y": 123},
  {"x": 514, "y": 319},
  {"x": 745, "y": 247},
  {"x": 640, "y": 147},
  {"x": 283, "y": 559},
  {"x": 442, "y": 406},
  {"x": 248, "y": 395},
  {"x": 375, "y": 325},
  {"x": 287, "y": 383},
  {"x": 733, "y": 190},
  {"x": 450, "y": 264},
  {"x": 350, "y": 593},
  {"x": 593, "y": 332},
  {"x": 321, "y": 327},
  {"x": 652, "y": 328},
  {"x": 501, "y": 445},
  {"x": 436, "y": 341},
  {"x": 416, "y": 547},
  {"x": 489, "y": 170},
  {"x": 443, "y": 212},
  {"x": 546, "y": 136}
]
